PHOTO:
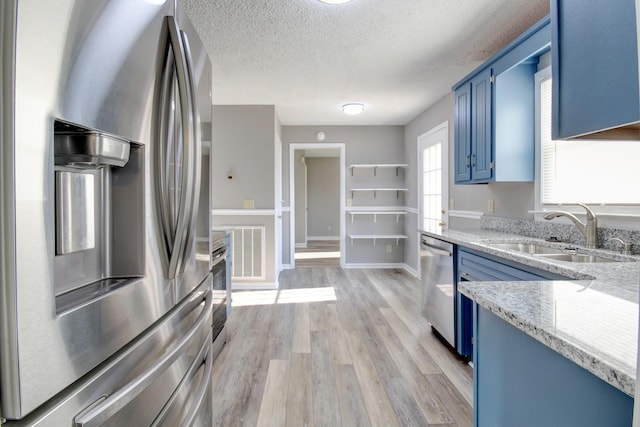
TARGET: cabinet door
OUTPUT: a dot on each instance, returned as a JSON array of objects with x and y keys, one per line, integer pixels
[
  {"x": 595, "y": 66},
  {"x": 481, "y": 140},
  {"x": 463, "y": 134}
]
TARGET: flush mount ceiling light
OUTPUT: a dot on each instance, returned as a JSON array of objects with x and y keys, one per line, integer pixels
[
  {"x": 353, "y": 108},
  {"x": 335, "y": 1}
]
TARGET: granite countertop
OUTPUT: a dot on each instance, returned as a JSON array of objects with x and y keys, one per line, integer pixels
[{"x": 591, "y": 318}]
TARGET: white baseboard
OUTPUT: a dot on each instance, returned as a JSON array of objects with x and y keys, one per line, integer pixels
[
  {"x": 301, "y": 245},
  {"x": 378, "y": 265},
  {"x": 310, "y": 238},
  {"x": 237, "y": 286},
  {"x": 412, "y": 271},
  {"x": 401, "y": 266}
]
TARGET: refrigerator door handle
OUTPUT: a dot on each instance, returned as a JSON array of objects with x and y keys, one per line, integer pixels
[
  {"x": 163, "y": 107},
  {"x": 196, "y": 151},
  {"x": 122, "y": 397},
  {"x": 201, "y": 394},
  {"x": 205, "y": 358},
  {"x": 186, "y": 104}
]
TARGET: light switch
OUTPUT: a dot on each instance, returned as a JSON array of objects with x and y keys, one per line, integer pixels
[
  {"x": 249, "y": 203},
  {"x": 490, "y": 206}
]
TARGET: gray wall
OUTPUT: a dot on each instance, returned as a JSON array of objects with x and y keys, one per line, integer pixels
[
  {"x": 323, "y": 197},
  {"x": 243, "y": 143},
  {"x": 363, "y": 144}
]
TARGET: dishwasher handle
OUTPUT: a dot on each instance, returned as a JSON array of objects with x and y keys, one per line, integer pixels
[{"x": 435, "y": 249}]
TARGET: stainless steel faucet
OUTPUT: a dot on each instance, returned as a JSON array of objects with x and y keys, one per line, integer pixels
[
  {"x": 626, "y": 247},
  {"x": 589, "y": 230}
]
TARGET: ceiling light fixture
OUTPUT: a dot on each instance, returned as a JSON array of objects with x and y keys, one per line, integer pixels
[
  {"x": 353, "y": 109},
  {"x": 335, "y": 1}
]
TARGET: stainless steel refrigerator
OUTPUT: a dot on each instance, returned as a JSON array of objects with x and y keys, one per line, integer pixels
[{"x": 106, "y": 301}]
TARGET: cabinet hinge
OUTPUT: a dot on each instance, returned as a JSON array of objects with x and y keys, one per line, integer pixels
[
  {"x": 492, "y": 79},
  {"x": 491, "y": 165}
]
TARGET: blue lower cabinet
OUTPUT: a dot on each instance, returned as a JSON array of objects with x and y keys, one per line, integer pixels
[
  {"x": 520, "y": 382},
  {"x": 479, "y": 267}
]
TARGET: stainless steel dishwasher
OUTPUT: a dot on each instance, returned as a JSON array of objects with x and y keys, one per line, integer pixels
[{"x": 438, "y": 286}]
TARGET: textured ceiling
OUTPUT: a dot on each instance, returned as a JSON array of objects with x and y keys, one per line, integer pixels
[{"x": 308, "y": 58}]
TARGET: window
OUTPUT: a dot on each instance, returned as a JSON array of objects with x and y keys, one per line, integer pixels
[
  {"x": 432, "y": 188},
  {"x": 583, "y": 171}
]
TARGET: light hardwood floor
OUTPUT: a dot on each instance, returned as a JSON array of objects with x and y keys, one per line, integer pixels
[
  {"x": 319, "y": 253},
  {"x": 337, "y": 347}
]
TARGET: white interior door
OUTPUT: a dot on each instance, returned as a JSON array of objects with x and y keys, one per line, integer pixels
[{"x": 433, "y": 178}]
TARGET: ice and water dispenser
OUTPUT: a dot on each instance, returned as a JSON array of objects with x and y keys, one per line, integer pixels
[{"x": 99, "y": 213}]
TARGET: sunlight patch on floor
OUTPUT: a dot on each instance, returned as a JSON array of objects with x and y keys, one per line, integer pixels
[
  {"x": 284, "y": 296},
  {"x": 317, "y": 255}
]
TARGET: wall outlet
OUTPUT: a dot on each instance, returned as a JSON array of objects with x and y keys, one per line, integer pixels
[
  {"x": 452, "y": 205},
  {"x": 349, "y": 202},
  {"x": 249, "y": 203},
  {"x": 490, "y": 206},
  {"x": 389, "y": 249}
]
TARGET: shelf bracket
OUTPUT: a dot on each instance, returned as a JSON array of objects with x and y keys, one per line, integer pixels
[
  {"x": 352, "y": 194},
  {"x": 398, "y": 171},
  {"x": 397, "y": 218},
  {"x": 397, "y": 242},
  {"x": 397, "y": 194},
  {"x": 351, "y": 170},
  {"x": 375, "y": 218},
  {"x": 374, "y": 194},
  {"x": 375, "y": 171},
  {"x": 374, "y": 241},
  {"x": 351, "y": 213}
]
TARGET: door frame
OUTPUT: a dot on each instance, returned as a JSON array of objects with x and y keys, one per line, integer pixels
[
  {"x": 292, "y": 193},
  {"x": 422, "y": 141},
  {"x": 278, "y": 204}
]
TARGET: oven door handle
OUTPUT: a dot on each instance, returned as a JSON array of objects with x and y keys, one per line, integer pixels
[{"x": 99, "y": 414}]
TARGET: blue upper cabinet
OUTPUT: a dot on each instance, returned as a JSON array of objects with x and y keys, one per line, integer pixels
[
  {"x": 462, "y": 131},
  {"x": 594, "y": 69},
  {"x": 494, "y": 113},
  {"x": 481, "y": 126},
  {"x": 473, "y": 130}
]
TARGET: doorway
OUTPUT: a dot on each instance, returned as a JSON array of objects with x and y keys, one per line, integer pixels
[{"x": 316, "y": 188}]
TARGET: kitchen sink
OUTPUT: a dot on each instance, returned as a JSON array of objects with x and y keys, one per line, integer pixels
[
  {"x": 530, "y": 248},
  {"x": 579, "y": 258},
  {"x": 556, "y": 253}
]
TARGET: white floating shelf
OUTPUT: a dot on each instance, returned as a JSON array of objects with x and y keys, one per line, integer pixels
[
  {"x": 376, "y": 213},
  {"x": 375, "y": 166},
  {"x": 375, "y": 190},
  {"x": 375, "y": 237}
]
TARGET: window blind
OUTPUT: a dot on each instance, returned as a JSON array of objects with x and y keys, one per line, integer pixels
[{"x": 586, "y": 171}]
